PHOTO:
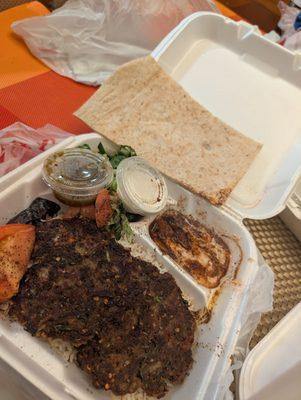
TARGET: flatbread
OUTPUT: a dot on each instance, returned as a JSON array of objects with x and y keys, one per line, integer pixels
[{"x": 142, "y": 106}]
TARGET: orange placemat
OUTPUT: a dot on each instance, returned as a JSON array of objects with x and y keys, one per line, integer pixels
[
  {"x": 29, "y": 91},
  {"x": 16, "y": 62},
  {"x": 227, "y": 11},
  {"x": 47, "y": 98}
]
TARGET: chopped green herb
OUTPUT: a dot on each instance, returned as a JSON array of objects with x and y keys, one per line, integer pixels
[
  {"x": 117, "y": 231},
  {"x": 113, "y": 186},
  {"x": 101, "y": 148},
  {"x": 186, "y": 302},
  {"x": 154, "y": 227},
  {"x": 127, "y": 151},
  {"x": 120, "y": 221},
  {"x": 116, "y": 160},
  {"x": 85, "y": 146},
  {"x": 126, "y": 229},
  {"x": 133, "y": 217},
  {"x": 62, "y": 328},
  {"x": 158, "y": 299}
]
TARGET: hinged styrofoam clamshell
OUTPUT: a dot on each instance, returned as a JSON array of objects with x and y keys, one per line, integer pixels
[
  {"x": 253, "y": 85},
  {"x": 215, "y": 341}
]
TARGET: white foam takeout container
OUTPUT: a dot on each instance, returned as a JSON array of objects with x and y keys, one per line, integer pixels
[
  {"x": 252, "y": 84},
  {"x": 291, "y": 216},
  {"x": 272, "y": 369}
]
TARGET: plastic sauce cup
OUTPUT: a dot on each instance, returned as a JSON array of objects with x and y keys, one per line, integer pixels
[
  {"x": 141, "y": 188},
  {"x": 77, "y": 175}
]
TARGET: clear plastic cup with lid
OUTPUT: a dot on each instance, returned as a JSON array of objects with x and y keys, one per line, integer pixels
[
  {"x": 77, "y": 175},
  {"x": 140, "y": 187}
]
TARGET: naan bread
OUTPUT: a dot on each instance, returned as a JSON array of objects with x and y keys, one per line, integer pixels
[{"x": 142, "y": 106}]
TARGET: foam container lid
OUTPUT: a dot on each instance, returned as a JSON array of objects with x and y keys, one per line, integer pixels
[
  {"x": 214, "y": 341},
  {"x": 272, "y": 369},
  {"x": 253, "y": 85}
]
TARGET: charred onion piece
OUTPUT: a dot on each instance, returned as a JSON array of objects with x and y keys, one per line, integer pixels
[{"x": 38, "y": 210}]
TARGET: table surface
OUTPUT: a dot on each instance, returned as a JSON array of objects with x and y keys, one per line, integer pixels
[
  {"x": 34, "y": 95},
  {"x": 29, "y": 91}
]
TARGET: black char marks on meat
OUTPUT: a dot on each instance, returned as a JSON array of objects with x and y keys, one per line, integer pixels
[
  {"x": 38, "y": 210},
  {"x": 128, "y": 321}
]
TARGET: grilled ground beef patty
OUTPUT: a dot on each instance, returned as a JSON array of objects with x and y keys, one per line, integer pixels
[{"x": 128, "y": 321}]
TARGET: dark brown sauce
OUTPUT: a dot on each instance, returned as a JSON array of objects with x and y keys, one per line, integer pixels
[{"x": 197, "y": 249}]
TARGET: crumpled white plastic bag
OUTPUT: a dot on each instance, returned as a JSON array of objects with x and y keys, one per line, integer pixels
[
  {"x": 260, "y": 301},
  {"x": 86, "y": 40},
  {"x": 291, "y": 37},
  {"x": 20, "y": 143}
]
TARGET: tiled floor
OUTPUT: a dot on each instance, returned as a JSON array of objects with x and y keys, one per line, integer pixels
[{"x": 263, "y": 13}]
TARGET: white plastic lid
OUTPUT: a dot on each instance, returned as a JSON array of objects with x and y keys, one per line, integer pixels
[
  {"x": 141, "y": 188},
  {"x": 297, "y": 3},
  {"x": 272, "y": 369}
]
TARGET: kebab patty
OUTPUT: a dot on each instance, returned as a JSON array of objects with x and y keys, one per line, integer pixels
[{"x": 128, "y": 322}]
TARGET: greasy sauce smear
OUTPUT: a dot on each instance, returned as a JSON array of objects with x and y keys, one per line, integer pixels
[
  {"x": 238, "y": 263},
  {"x": 197, "y": 249},
  {"x": 202, "y": 316},
  {"x": 213, "y": 299}
]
